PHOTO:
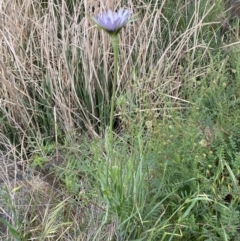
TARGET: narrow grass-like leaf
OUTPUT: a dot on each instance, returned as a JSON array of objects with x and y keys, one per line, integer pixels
[{"x": 11, "y": 230}]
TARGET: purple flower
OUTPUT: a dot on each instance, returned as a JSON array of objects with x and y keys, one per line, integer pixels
[{"x": 112, "y": 22}]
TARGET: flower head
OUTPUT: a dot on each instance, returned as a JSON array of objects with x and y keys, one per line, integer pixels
[{"x": 112, "y": 22}]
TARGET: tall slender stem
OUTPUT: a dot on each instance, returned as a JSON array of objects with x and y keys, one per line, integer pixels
[{"x": 114, "y": 41}]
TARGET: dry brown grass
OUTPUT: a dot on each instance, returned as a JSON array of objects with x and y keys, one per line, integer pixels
[{"x": 33, "y": 50}]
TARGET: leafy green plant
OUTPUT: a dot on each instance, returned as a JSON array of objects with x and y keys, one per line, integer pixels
[{"x": 14, "y": 233}]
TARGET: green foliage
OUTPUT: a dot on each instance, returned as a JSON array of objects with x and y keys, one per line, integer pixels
[
  {"x": 188, "y": 164},
  {"x": 13, "y": 232},
  {"x": 13, "y": 226}
]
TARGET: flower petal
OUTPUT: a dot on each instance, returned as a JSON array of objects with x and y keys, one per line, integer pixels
[
  {"x": 120, "y": 12},
  {"x": 126, "y": 14},
  {"x": 112, "y": 22},
  {"x": 110, "y": 15}
]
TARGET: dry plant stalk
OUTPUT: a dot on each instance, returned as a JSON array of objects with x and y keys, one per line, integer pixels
[
  {"x": 233, "y": 6},
  {"x": 33, "y": 51}
]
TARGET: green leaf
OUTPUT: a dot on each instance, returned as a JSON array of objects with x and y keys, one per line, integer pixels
[{"x": 11, "y": 229}]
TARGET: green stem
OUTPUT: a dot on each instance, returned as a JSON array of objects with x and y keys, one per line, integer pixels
[{"x": 114, "y": 41}]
